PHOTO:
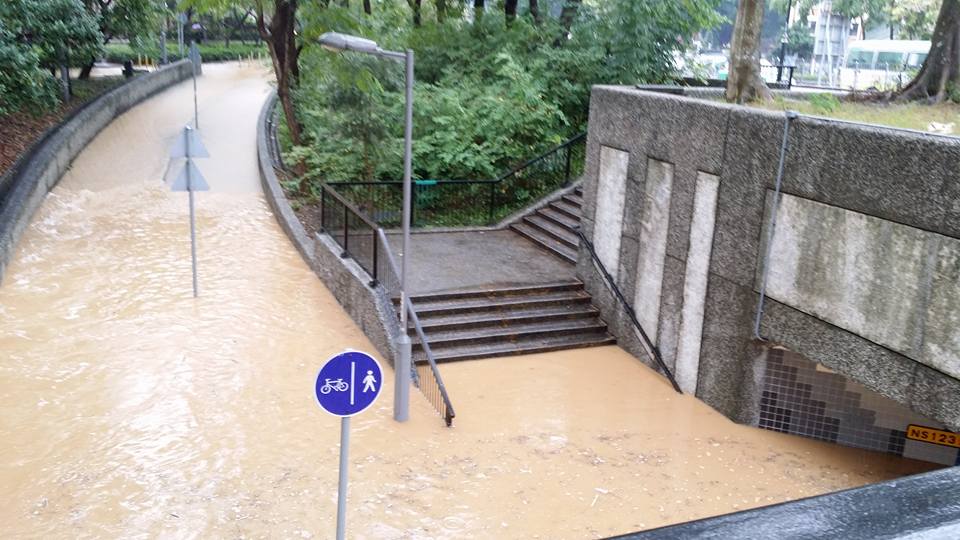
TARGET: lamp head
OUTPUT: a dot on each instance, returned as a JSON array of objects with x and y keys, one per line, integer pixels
[{"x": 335, "y": 41}]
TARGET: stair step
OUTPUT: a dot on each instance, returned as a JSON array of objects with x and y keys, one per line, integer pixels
[
  {"x": 527, "y": 290},
  {"x": 574, "y": 200},
  {"x": 533, "y": 330},
  {"x": 546, "y": 241},
  {"x": 477, "y": 305},
  {"x": 567, "y": 209},
  {"x": 511, "y": 318},
  {"x": 559, "y": 218},
  {"x": 561, "y": 234},
  {"x": 476, "y": 352}
]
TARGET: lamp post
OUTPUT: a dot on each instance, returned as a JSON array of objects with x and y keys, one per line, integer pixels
[
  {"x": 783, "y": 42},
  {"x": 342, "y": 42}
]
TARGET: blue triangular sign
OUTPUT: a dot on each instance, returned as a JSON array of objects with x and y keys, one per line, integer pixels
[
  {"x": 197, "y": 149},
  {"x": 197, "y": 182}
]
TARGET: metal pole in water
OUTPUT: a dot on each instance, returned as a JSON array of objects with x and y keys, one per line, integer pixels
[
  {"x": 196, "y": 111},
  {"x": 193, "y": 223},
  {"x": 342, "y": 487},
  {"x": 401, "y": 400},
  {"x": 402, "y": 397}
]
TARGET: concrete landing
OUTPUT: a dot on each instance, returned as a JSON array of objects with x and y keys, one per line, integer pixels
[{"x": 452, "y": 261}]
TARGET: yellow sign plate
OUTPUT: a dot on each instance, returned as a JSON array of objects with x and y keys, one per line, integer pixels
[{"x": 933, "y": 436}]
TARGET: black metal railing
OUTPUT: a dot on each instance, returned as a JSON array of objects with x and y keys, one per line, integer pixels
[
  {"x": 366, "y": 243},
  {"x": 354, "y": 232},
  {"x": 460, "y": 203},
  {"x": 425, "y": 375},
  {"x": 612, "y": 285},
  {"x": 779, "y": 74}
]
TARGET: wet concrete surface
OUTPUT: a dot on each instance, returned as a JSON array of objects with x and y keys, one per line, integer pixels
[
  {"x": 130, "y": 409},
  {"x": 451, "y": 261}
]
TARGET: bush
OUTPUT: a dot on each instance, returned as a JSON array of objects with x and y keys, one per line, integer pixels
[
  {"x": 23, "y": 84},
  {"x": 210, "y": 51},
  {"x": 489, "y": 94}
]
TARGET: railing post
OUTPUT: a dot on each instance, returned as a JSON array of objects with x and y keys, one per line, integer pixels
[
  {"x": 376, "y": 242},
  {"x": 413, "y": 204},
  {"x": 493, "y": 203},
  {"x": 323, "y": 209},
  {"x": 346, "y": 232},
  {"x": 566, "y": 175}
]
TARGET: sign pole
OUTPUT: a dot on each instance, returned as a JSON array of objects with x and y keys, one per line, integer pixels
[
  {"x": 342, "y": 486},
  {"x": 195, "y": 60},
  {"x": 193, "y": 221},
  {"x": 346, "y": 385}
]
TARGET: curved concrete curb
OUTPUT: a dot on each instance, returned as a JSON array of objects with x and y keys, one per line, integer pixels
[
  {"x": 369, "y": 307},
  {"x": 274, "y": 192},
  {"x": 23, "y": 189}
]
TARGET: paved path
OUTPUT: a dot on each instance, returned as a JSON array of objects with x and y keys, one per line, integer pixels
[{"x": 451, "y": 261}]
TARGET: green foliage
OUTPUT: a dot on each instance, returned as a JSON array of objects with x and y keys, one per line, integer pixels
[
  {"x": 877, "y": 11},
  {"x": 137, "y": 20},
  {"x": 800, "y": 41},
  {"x": 56, "y": 30},
  {"x": 488, "y": 94},
  {"x": 916, "y": 18},
  {"x": 35, "y": 37},
  {"x": 209, "y": 51},
  {"x": 23, "y": 85}
]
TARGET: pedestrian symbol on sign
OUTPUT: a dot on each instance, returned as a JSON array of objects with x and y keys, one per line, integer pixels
[{"x": 369, "y": 381}]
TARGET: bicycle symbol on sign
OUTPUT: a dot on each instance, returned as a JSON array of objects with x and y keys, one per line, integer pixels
[{"x": 334, "y": 385}]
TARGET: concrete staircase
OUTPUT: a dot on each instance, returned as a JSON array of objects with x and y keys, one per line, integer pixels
[
  {"x": 552, "y": 226},
  {"x": 509, "y": 321}
]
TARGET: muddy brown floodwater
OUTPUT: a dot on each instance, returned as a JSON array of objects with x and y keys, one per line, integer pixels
[{"x": 129, "y": 409}]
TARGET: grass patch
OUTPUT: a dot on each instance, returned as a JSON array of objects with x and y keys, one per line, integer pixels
[{"x": 915, "y": 115}]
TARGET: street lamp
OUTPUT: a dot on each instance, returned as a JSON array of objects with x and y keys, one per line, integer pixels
[{"x": 334, "y": 41}]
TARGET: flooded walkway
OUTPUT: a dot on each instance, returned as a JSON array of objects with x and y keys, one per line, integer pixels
[{"x": 129, "y": 409}]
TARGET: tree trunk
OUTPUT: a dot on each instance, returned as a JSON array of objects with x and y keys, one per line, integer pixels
[
  {"x": 86, "y": 69},
  {"x": 535, "y": 11},
  {"x": 568, "y": 15},
  {"x": 940, "y": 74},
  {"x": 367, "y": 8},
  {"x": 415, "y": 6},
  {"x": 510, "y": 10},
  {"x": 441, "y": 11},
  {"x": 744, "y": 82},
  {"x": 281, "y": 41}
]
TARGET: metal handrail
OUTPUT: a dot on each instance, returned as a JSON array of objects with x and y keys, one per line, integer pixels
[
  {"x": 542, "y": 156},
  {"x": 448, "y": 413},
  {"x": 494, "y": 197},
  {"x": 501, "y": 178},
  {"x": 447, "y": 410},
  {"x": 654, "y": 351},
  {"x": 350, "y": 206}
]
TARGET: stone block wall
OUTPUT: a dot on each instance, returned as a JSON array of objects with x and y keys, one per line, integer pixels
[{"x": 863, "y": 277}]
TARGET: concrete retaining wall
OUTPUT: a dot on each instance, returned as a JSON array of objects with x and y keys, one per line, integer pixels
[
  {"x": 864, "y": 275},
  {"x": 23, "y": 189},
  {"x": 370, "y": 307}
]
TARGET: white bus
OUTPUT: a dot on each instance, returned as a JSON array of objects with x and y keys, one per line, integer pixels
[{"x": 882, "y": 63}]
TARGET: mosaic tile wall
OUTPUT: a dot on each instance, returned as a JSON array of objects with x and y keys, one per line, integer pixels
[{"x": 804, "y": 398}]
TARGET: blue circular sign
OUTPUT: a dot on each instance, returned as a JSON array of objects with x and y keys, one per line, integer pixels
[{"x": 348, "y": 383}]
